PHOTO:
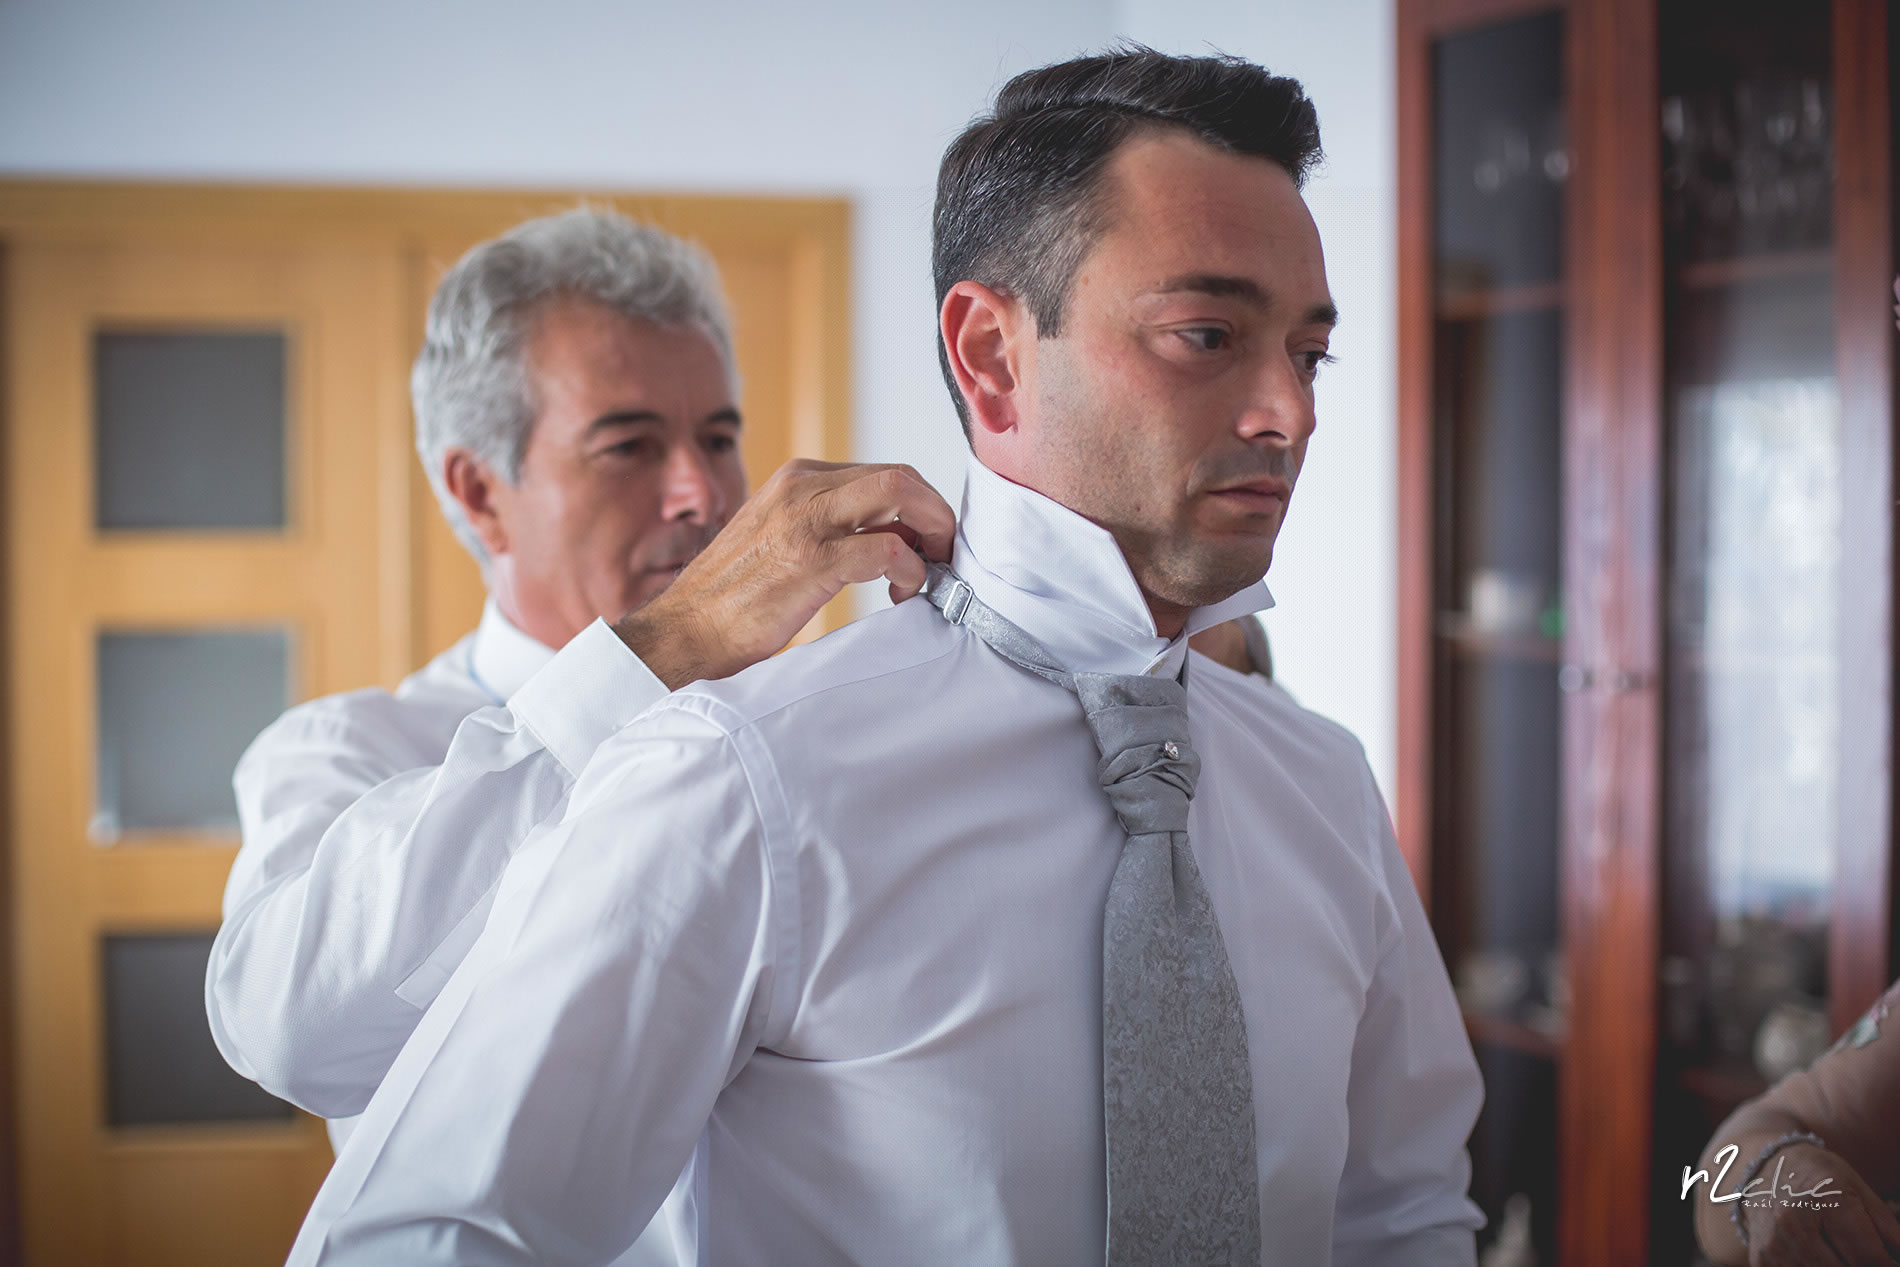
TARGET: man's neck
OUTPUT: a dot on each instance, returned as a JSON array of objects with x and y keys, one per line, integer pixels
[
  {"x": 550, "y": 633},
  {"x": 1170, "y": 620}
]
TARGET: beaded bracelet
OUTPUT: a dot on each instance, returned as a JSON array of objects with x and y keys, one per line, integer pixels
[{"x": 1754, "y": 1171}]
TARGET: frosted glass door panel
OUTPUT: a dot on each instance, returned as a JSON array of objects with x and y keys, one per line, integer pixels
[
  {"x": 176, "y": 711},
  {"x": 189, "y": 430},
  {"x": 162, "y": 1066}
]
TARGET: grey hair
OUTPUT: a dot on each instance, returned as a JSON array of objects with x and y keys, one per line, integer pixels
[{"x": 470, "y": 386}]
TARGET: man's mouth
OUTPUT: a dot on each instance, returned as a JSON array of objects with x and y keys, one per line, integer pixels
[{"x": 1259, "y": 497}]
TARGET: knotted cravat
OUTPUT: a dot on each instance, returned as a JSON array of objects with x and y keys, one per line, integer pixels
[{"x": 1177, "y": 1090}]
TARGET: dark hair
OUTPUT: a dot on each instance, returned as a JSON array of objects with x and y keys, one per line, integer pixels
[{"x": 1017, "y": 193}]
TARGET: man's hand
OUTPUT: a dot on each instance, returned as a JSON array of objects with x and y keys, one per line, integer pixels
[
  {"x": 809, "y": 531},
  {"x": 1854, "y": 1230}
]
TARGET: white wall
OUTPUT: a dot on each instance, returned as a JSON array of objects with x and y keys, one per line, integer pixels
[{"x": 850, "y": 97}]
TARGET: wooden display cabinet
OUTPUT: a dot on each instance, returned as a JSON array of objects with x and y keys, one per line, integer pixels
[{"x": 1647, "y": 514}]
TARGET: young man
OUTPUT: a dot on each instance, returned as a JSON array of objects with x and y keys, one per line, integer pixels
[{"x": 972, "y": 933}]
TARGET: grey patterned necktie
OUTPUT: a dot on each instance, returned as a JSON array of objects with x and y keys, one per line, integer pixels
[{"x": 1177, "y": 1090}]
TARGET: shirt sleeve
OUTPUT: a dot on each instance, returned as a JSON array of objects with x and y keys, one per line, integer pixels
[
  {"x": 1412, "y": 1098},
  {"x": 369, "y": 861},
  {"x": 552, "y": 1096}
]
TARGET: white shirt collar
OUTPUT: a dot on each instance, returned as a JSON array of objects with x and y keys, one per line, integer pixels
[
  {"x": 503, "y": 658},
  {"x": 1064, "y": 582}
]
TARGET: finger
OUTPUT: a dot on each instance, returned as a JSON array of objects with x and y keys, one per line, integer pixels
[
  {"x": 1886, "y": 1225},
  {"x": 793, "y": 478},
  {"x": 1851, "y": 1236},
  {"x": 814, "y": 477},
  {"x": 1777, "y": 1238},
  {"x": 880, "y": 496},
  {"x": 869, "y": 556},
  {"x": 866, "y": 495},
  {"x": 811, "y": 466},
  {"x": 902, "y": 531},
  {"x": 924, "y": 509},
  {"x": 904, "y": 584}
]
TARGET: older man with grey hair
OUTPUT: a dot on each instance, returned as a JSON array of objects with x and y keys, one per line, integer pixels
[{"x": 576, "y": 412}]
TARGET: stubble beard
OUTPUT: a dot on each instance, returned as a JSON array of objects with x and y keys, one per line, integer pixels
[{"x": 1171, "y": 561}]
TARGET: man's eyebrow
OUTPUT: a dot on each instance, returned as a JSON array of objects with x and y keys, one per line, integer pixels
[
  {"x": 1245, "y": 289},
  {"x": 622, "y": 418},
  {"x": 1215, "y": 285},
  {"x": 640, "y": 417},
  {"x": 1326, "y": 314}
]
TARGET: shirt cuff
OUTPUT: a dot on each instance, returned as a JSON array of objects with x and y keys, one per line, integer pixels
[{"x": 591, "y": 688}]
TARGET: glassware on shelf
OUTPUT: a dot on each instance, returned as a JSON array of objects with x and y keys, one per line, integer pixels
[
  {"x": 1757, "y": 965},
  {"x": 1501, "y": 156},
  {"x": 1748, "y": 166},
  {"x": 1492, "y": 982},
  {"x": 1792, "y": 1036},
  {"x": 1505, "y": 602}
]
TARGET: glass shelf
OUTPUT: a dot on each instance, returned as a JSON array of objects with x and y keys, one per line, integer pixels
[
  {"x": 1471, "y": 303},
  {"x": 1467, "y": 639},
  {"x": 1739, "y": 269}
]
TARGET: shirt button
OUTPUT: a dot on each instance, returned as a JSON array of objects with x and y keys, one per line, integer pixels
[{"x": 1173, "y": 750}]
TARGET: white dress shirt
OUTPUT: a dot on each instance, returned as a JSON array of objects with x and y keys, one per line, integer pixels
[
  {"x": 374, "y": 828},
  {"x": 829, "y": 934}
]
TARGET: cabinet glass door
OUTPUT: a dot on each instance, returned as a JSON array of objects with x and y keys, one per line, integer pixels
[
  {"x": 1501, "y": 169},
  {"x": 1756, "y": 593}
]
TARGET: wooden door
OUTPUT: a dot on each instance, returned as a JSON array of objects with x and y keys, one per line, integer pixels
[
  {"x": 186, "y": 557},
  {"x": 214, "y": 510}
]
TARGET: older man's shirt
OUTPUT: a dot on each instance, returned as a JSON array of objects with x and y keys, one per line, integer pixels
[
  {"x": 829, "y": 934},
  {"x": 375, "y": 826}
]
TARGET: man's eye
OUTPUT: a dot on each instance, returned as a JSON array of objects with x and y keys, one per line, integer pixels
[
  {"x": 1206, "y": 338},
  {"x": 721, "y": 443},
  {"x": 638, "y": 446},
  {"x": 1313, "y": 360}
]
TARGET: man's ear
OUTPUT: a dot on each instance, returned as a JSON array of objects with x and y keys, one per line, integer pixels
[
  {"x": 982, "y": 333},
  {"x": 471, "y": 482}
]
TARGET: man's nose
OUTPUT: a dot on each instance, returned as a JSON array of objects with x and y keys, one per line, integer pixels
[
  {"x": 1280, "y": 405},
  {"x": 691, "y": 493}
]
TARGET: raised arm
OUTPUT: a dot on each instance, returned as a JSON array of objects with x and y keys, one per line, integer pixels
[
  {"x": 366, "y": 870},
  {"x": 555, "y": 1091}
]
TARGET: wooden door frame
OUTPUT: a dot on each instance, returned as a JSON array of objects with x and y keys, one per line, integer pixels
[
  {"x": 10, "y": 1234},
  {"x": 1613, "y": 549},
  {"x": 1861, "y": 931},
  {"x": 408, "y": 223}
]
